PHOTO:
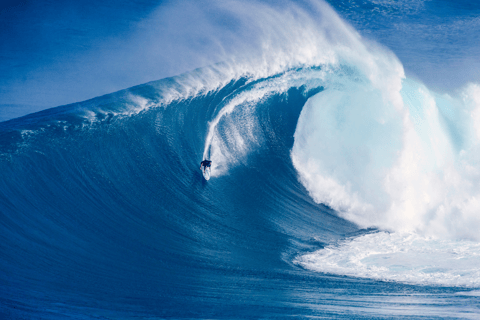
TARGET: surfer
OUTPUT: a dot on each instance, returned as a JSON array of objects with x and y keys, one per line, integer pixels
[{"x": 205, "y": 164}]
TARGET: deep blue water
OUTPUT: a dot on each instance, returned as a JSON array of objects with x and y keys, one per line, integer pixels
[{"x": 104, "y": 213}]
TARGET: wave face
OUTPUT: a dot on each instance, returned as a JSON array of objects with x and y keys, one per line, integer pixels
[{"x": 337, "y": 186}]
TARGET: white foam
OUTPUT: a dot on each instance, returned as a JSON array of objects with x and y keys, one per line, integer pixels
[
  {"x": 410, "y": 165},
  {"x": 400, "y": 257},
  {"x": 472, "y": 293},
  {"x": 414, "y": 168}
]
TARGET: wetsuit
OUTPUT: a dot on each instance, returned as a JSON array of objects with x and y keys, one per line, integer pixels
[{"x": 206, "y": 163}]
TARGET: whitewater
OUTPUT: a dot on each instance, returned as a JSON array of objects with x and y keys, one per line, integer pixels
[{"x": 341, "y": 187}]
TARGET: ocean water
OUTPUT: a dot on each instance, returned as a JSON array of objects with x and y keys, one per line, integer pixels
[{"x": 345, "y": 179}]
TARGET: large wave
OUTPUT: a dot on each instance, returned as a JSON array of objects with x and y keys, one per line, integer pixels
[
  {"x": 104, "y": 197},
  {"x": 379, "y": 148}
]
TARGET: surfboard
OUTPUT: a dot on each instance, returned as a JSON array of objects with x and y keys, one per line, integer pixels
[{"x": 206, "y": 174}]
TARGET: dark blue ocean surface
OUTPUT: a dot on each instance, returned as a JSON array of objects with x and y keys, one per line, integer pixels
[{"x": 324, "y": 198}]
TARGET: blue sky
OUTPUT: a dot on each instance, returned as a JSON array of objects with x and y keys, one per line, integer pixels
[{"x": 58, "y": 52}]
